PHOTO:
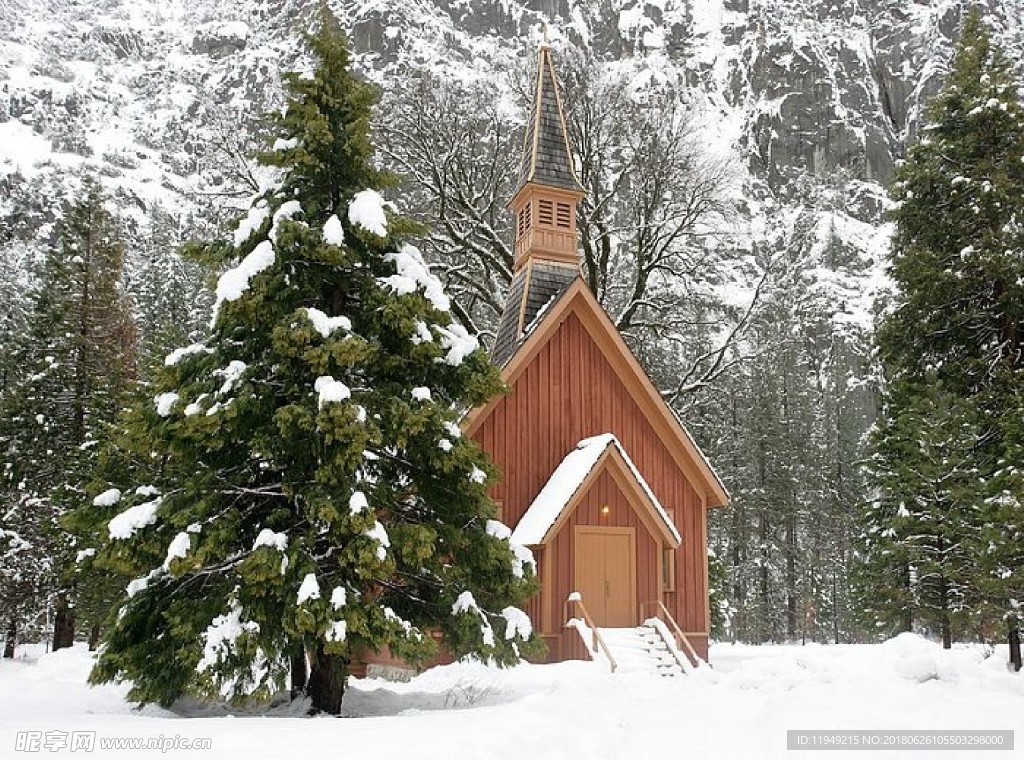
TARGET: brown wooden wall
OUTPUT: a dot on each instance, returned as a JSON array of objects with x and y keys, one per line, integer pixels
[{"x": 570, "y": 392}]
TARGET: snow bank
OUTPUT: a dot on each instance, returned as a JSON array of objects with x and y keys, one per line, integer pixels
[{"x": 571, "y": 709}]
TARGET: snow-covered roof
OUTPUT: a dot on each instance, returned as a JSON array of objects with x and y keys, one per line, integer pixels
[{"x": 558, "y": 493}]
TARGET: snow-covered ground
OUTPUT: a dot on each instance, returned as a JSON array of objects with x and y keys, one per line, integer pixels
[{"x": 741, "y": 709}]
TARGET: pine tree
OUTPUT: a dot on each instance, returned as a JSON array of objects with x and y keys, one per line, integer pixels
[
  {"x": 313, "y": 497},
  {"x": 952, "y": 347},
  {"x": 72, "y": 365}
]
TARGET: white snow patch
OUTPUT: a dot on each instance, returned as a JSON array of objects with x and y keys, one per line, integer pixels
[
  {"x": 326, "y": 325},
  {"x": 414, "y": 274},
  {"x": 108, "y": 498},
  {"x": 133, "y": 519},
  {"x": 165, "y": 403},
  {"x": 178, "y": 548},
  {"x": 517, "y": 623},
  {"x": 337, "y": 631},
  {"x": 331, "y": 390},
  {"x": 286, "y": 210},
  {"x": 567, "y": 478},
  {"x": 458, "y": 342},
  {"x": 334, "y": 234},
  {"x": 234, "y": 282},
  {"x": 357, "y": 502},
  {"x": 339, "y": 597},
  {"x": 421, "y": 393},
  {"x": 252, "y": 223},
  {"x": 367, "y": 211},
  {"x": 270, "y": 538},
  {"x": 180, "y": 353},
  {"x": 308, "y": 589},
  {"x": 380, "y": 535}
]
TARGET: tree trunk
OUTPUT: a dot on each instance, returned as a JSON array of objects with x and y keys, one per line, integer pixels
[
  {"x": 328, "y": 674},
  {"x": 63, "y": 625},
  {"x": 299, "y": 671},
  {"x": 12, "y": 637},
  {"x": 1014, "y": 640},
  {"x": 94, "y": 637}
]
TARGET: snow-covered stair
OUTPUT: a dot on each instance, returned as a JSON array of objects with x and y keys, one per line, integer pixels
[{"x": 641, "y": 650}]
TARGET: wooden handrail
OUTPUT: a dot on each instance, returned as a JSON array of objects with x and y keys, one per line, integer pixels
[
  {"x": 680, "y": 637},
  {"x": 598, "y": 643}
]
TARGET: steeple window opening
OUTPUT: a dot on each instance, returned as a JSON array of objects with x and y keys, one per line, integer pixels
[{"x": 546, "y": 212}]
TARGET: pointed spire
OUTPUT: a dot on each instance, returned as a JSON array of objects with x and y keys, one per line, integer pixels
[{"x": 547, "y": 158}]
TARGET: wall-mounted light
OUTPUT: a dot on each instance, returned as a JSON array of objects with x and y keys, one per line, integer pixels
[{"x": 605, "y": 509}]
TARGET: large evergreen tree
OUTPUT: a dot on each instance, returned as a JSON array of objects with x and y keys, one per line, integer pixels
[
  {"x": 951, "y": 345},
  {"x": 310, "y": 496}
]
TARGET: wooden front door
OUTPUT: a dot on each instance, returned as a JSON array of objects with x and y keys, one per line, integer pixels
[{"x": 606, "y": 574}]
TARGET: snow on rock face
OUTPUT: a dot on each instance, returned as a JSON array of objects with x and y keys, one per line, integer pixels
[
  {"x": 165, "y": 403},
  {"x": 252, "y": 223},
  {"x": 367, "y": 211},
  {"x": 333, "y": 232},
  {"x": 308, "y": 589},
  {"x": 414, "y": 274},
  {"x": 380, "y": 535},
  {"x": 133, "y": 519},
  {"x": 234, "y": 282},
  {"x": 108, "y": 498},
  {"x": 178, "y": 548},
  {"x": 326, "y": 325},
  {"x": 331, "y": 390}
]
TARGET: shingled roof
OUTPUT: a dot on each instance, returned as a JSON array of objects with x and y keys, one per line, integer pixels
[
  {"x": 547, "y": 159},
  {"x": 534, "y": 289}
]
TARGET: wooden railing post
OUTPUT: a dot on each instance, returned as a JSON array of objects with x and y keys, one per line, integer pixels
[{"x": 597, "y": 640}]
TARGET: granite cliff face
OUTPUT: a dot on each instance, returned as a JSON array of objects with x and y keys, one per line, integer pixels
[{"x": 814, "y": 100}]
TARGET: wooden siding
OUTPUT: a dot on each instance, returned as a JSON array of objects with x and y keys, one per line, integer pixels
[{"x": 570, "y": 392}]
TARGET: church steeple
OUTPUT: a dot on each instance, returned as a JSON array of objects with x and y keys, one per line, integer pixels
[{"x": 545, "y": 201}]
